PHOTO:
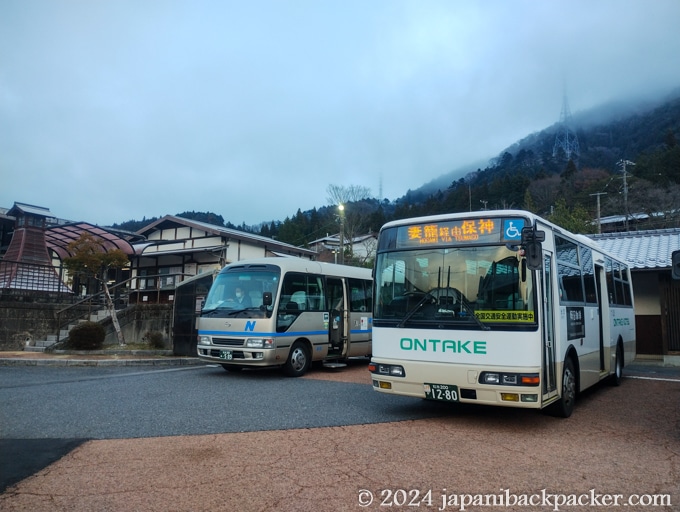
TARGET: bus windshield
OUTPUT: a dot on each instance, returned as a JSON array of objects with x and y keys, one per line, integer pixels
[
  {"x": 487, "y": 287},
  {"x": 239, "y": 292}
]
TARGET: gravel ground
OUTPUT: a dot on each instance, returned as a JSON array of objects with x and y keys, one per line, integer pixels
[{"x": 620, "y": 441}]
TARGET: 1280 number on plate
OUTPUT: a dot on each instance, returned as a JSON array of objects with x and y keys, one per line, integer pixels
[{"x": 443, "y": 392}]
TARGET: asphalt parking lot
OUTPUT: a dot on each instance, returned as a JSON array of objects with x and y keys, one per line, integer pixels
[{"x": 621, "y": 443}]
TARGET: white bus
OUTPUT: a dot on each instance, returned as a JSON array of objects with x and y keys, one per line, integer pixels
[
  {"x": 497, "y": 308},
  {"x": 286, "y": 312}
]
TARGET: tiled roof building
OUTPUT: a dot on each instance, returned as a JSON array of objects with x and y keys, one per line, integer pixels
[{"x": 657, "y": 295}]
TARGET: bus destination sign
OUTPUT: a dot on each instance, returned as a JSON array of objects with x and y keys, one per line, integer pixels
[{"x": 465, "y": 231}]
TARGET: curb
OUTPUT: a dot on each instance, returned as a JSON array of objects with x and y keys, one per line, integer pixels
[{"x": 101, "y": 362}]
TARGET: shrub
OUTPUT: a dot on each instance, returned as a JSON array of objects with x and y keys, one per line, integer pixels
[
  {"x": 154, "y": 339},
  {"x": 86, "y": 336}
]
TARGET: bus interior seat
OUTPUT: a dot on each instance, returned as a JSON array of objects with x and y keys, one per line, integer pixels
[
  {"x": 446, "y": 302},
  {"x": 300, "y": 298}
]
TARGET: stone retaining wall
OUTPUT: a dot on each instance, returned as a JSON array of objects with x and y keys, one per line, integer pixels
[{"x": 24, "y": 323}]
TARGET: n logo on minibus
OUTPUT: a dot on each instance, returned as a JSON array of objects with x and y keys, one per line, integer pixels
[{"x": 250, "y": 325}]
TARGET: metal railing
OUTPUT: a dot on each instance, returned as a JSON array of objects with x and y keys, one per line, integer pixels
[{"x": 98, "y": 300}]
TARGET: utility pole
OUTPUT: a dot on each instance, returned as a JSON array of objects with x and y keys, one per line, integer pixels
[
  {"x": 623, "y": 164},
  {"x": 599, "y": 223}
]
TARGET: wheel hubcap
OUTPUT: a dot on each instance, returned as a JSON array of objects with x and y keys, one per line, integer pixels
[
  {"x": 569, "y": 386},
  {"x": 298, "y": 359}
]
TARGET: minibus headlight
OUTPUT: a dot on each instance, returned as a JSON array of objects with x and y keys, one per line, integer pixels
[
  {"x": 204, "y": 340},
  {"x": 260, "y": 343}
]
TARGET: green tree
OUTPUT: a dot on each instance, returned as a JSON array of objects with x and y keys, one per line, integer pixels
[
  {"x": 576, "y": 219},
  {"x": 90, "y": 259},
  {"x": 529, "y": 204}
]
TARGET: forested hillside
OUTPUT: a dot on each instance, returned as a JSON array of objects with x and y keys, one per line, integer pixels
[{"x": 528, "y": 176}]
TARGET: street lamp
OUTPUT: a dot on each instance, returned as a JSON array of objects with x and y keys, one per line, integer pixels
[{"x": 341, "y": 208}]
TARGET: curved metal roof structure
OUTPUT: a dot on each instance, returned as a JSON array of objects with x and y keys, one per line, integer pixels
[{"x": 57, "y": 238}]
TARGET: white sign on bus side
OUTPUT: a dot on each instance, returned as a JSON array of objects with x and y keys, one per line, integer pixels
[{"x": 483, "y": 347}]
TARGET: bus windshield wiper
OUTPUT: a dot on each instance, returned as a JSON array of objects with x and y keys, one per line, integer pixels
[
  {"x": 471, "y": 312},
  {"x": 221, "y": 310},
  {"x": 415, "y": 308}
]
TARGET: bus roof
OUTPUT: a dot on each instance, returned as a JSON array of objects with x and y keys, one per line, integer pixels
[
  {"x": 465, "y": 215},
  {"x": 293, "y": 264}
]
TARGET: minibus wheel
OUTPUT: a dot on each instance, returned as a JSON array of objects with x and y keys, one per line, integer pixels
[{"x": 298, "y": 361}]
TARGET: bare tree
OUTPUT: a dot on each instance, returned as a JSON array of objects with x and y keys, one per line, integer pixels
[
  {"x": 339, "y": 194},
  {"x": 350, "y": 218},
  {"x": 90, "y": 259}
]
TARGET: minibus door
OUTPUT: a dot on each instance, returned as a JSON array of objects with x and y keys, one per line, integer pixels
[{"x": 337, "y": 328}]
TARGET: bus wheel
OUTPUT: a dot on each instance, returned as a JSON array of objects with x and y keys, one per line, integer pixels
[
  {"x": 615, "y": 379},
  {"x": 298, "y": 361},
  {"x": 565, "y": 406}
]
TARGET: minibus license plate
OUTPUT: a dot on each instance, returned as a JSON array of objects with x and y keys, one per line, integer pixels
[
  {"x": 226, "y": 354},
  {"x": 443, "y": 392}
]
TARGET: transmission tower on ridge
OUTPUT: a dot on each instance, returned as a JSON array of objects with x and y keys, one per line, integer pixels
[{"x": 566, "y": 138}]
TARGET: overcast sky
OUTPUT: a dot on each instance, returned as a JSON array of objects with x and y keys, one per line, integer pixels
[{"x": 113, "y": 110}]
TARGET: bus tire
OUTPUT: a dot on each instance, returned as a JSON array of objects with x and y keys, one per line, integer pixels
[
  {"x": 299, "y": 360},
  {"x": 615, "y": 379},
  {"x": 565, "y": 405}
]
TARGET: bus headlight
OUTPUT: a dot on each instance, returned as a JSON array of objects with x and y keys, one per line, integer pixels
[
  {"x": 260, "y": 343},
  {"x": 204, "y": 340},
  {"x": 394, "y": 370},
  {"x": 509, "y": 379},
  {"x": 490, "y": 378}
]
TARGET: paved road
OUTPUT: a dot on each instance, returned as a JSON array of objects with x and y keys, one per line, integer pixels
[
  {"x": 48, "y": 411},
  {"x": 122, "y": 403},
  {"x": 243, "y": 428}
]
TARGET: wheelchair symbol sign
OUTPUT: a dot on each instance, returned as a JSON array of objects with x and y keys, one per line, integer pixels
[{"x": 512, "y": 229}]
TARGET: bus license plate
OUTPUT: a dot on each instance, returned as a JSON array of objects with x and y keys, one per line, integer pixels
[
  {"x": 442, "y": 392},
  {"x": 226, "y": 354}
]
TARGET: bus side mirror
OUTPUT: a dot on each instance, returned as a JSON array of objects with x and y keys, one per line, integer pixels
[
  {"x": 267, "y": 299},
  {"x": 534, "y": 256},
  {"x": 675, "y": 262}
]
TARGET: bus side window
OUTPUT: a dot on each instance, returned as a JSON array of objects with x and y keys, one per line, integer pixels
[
  {"x": 300, "y": 299},
  {"x": 358, "y": 296}
]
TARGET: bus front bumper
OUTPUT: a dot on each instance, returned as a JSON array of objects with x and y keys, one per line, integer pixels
[
  {"x": 509, "y": 397},
  {"x": 239, "y": 356}
]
